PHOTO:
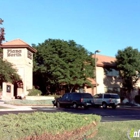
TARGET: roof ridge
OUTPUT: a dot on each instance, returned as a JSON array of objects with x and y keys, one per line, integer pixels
[
  {"x": 15, "y": 42},
  {"x": 104, "y": 55}
]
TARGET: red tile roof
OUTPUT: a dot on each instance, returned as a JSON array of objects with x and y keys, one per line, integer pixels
[
  {"x": 18, "y": 43},
  {"x": 103, "y": 60}
]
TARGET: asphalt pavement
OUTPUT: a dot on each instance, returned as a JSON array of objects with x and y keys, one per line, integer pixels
[{"x": 109, "y": 114}]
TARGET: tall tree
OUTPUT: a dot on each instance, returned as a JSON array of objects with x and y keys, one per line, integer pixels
[
  {"x": 7, "y": 72},
  {"x": 128, "y": 62},
  {"x": 60, "y": 62},
  {"x": 1, "y": 32}
]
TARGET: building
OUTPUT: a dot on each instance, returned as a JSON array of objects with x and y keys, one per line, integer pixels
[
  {"x": 107, "y": 76},
  {"x": 20, "y": 54},
  {"x": 108, "y": 79}
]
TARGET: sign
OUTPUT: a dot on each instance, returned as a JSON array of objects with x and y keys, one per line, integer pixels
[
  {"x": 29, "y": 55},
  {"x": 8, "y": 88},
  {"x": 13, "y": 53}
]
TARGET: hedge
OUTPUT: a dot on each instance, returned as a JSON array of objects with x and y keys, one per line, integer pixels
[{"x": 50, "y": 126}]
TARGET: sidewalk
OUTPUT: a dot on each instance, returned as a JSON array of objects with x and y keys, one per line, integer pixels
[{"x": 10, "y": 107}]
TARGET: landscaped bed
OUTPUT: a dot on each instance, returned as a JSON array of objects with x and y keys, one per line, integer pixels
[
  {"x": 30, "y": 102},
  {"x": 48, "y": 126}
]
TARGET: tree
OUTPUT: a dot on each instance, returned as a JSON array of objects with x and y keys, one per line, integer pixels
[
  {"x": 1, "y": 32},
  {"x": 128, "y": 62},
  {"x": 58, "y": 62},
  {"x": 7, "y": 72}
]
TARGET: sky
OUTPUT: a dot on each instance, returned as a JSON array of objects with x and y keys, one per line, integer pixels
[{"x": 105, "y": 25}]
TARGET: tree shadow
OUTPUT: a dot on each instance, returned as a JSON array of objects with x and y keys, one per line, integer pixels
[{"x": 111, "y": 78}]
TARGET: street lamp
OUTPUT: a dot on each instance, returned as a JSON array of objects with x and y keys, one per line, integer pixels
[{"x": 97, "y": 51}]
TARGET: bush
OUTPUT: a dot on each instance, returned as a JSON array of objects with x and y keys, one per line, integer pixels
[
  {"x": 47, "y": 126},
  {"x": 34, "y": 92},
  {"x": 137, "y": 99}
]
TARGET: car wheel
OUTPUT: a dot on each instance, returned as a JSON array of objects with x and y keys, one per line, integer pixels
[
  {"x": 75, "y": 105},
  {"x": 58, "y": 105},
  {"x": 104, "y": 105},
  {"x": 114, "y": 106}
]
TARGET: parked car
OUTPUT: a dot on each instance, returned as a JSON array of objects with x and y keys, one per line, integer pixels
[
  {"x": 106, "y": 99},
  {"x": 74, "y": 100}
]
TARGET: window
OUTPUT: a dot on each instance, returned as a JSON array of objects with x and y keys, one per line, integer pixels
[
  {"x": 115, "y": 96},
  {"x": 65, "y": 96},
  {"x": 111, "y": 72},
  {"x": 107, "y": 96},
  {"x": 112, "y": 90},
  {"x": 86, "y": 95},
  {"x": 98, "y": 96}
]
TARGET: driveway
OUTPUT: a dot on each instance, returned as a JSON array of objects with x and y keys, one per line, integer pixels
[{"x": 119, "y": 114}]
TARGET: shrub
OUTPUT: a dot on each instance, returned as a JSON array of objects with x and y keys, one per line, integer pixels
[
  {"x": 57, "y": 125},
  {"x": 137, "y": 99},
  {"x": 34, "y": 92}
]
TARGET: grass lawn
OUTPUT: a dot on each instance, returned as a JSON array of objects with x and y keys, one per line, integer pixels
[
  {"x": 2, "y": 107},
  {"x": 30, "y": 102},
  {"x": 116, "y": 130}
]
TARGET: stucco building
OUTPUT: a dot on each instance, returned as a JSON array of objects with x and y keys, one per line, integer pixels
[
  {"x": 20, "y": 54},
  {"x": 107, "y": 76},
  {"x": 108, "y": 79}
]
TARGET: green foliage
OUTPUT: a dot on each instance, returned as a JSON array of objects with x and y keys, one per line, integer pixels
[
  {"x": 2, "y": 38},
  {"x": 60, "y": 62},
  {"x": 128, "y": 62},
  {"x": 7, "y": 72},
  {"x": 34, "y": 92},
  {"x": 15, "y": 127}
]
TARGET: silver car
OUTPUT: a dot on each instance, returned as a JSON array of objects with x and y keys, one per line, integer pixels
[{"x": 106, "y": 99}]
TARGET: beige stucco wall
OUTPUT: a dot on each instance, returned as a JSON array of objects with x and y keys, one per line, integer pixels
[
  {"x": 106, "y": 81},
  {"x": 7, "y": 94},
  {"x": 99, "y": 79},
  {"x": 19, "y": 58},
  {"x": 103, "y": 81}
]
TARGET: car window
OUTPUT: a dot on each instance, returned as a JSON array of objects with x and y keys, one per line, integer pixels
[
  {"x": 70, "y": 96},
  {"x": 107, "y": 96},
  {"x": 77, "y": 96},
  {"x": 115, "y": 96},
  {"x": 65, "y": 96},
  {"x": 98, "y": 96},
  {"x": 86, "y": 95}
]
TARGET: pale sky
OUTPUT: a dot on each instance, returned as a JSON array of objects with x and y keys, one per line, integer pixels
[{"x": 106, "y": 25}]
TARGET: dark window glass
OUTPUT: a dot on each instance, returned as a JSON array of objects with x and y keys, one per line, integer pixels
[
  {"x": 107, "y": 96},
  {"x": 77, "y": 96},
  {"x": 65, "y": 96},
  {"x": 98, "y": 96},
  {"x": 86, "y": 95},
  {"x": 115, "y": 96}
]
